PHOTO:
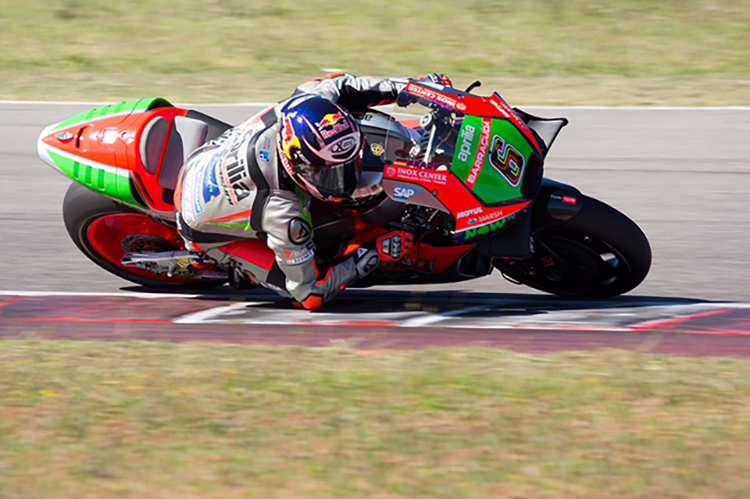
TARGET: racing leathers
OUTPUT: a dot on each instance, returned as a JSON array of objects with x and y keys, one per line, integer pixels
[{"x": 235, "y": 188}]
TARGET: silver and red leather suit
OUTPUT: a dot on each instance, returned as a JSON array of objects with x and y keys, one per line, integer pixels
[{"x": 234, "y": 188}]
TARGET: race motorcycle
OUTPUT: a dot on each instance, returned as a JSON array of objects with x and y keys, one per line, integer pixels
[{"x": 464, "y": 184}]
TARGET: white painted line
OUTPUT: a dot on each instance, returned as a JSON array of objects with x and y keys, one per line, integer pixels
[
  {"x": 558, "y": 320},
  {"x": 426, "y": 320},
  {"x": 688, "y": 311},
  {"x": 210, "y": 315}
]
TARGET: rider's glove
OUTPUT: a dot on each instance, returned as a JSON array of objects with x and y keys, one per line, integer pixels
[
  {"x": 392, "y": 246},
  {"x": 439, "y": 79},
  {"x": 405, "y": 99}
]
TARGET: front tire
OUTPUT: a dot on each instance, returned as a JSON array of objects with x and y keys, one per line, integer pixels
[
  {"x": 598, "y": 253},
  {"x": 105, "y": 230}
]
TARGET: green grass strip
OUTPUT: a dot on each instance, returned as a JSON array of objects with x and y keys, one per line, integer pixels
[
  {"x": 688, "y": 52},
  {"x": 109, "y": 420}
]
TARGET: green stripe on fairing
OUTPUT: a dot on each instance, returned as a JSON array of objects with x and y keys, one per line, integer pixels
[
  {"x": 121, "y": 108},
  {"x": 110, "y": 184},
  {"x": 491, "y": 186}
]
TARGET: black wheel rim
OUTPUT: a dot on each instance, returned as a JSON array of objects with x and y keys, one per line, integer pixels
[{"x": 576, "y": 264}]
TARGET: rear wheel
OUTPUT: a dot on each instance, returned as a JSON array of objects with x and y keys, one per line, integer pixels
[
  {"x": 598, "y": 253},
  {"x": 105, "y": 230}
]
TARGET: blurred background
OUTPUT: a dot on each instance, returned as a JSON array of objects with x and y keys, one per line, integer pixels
[{"x": 537, "y": 52}]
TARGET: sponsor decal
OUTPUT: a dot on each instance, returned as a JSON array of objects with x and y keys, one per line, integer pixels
[
  {"x": 110, "y": 136},
  {"x": 310, "y": 246},
  {"x": 431, "y": 95},
  {"x": 470, "y": 234},
  {"x": 332, "y": 124},
  {"x": 467, "y": 139},
  {"x": 301, "y": 259},
  {"x": 344, "y": 145},
  {"x": 390, "y": 171},
  {"x": 486, "y": 218},
  {"x": 570, "y": 200},
  {"x": 466, "y": 213},
  {"x": 420, "y": 175},
  {"x": 63, "y": 136},
  {"x": 403, "y": 192},
  {"x": 237, "y": 182},
  {"x": 377, "y": 149},
  {"x": 264, "y": 156},
  {"x": 461, "y": 106},
  {"x": 507, "y": 160},
  {"x": 211, "y": 188},
  {"x": 432, "y": 165},
  {"x": 484, "y": 142},
  {"x": 289, "y": 140},
  {"x": 330, "y": 120},
  {"x": 490, "y": 217},
  {"x": 507, "y": 111},
  {"x": 511, "y": 115},
  {"x": 195, "y": 176}
]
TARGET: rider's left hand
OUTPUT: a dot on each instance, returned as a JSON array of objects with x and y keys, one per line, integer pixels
[
  {"x": 439, "y": 79},
  {"x": 406, "y": 99}
]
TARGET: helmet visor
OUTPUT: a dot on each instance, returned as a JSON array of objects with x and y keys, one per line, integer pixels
[{"x": 338, "y": 181}]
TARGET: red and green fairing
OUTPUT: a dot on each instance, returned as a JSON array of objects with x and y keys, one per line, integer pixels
[
  {"x": 491, "y": 158},
  {"x": 97, "y": 148}
]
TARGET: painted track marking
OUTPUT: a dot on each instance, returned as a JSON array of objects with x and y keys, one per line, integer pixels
[{"x": 487, "y": 313}]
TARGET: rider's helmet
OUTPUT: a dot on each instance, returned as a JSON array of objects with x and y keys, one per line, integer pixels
[{"x": 320, "y": 146}]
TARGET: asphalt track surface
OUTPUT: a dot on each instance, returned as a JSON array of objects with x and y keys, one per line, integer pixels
[{"x": 683, "y": 175}]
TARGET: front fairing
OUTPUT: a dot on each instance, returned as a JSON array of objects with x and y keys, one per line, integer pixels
[{"x": 475, "y": 158}]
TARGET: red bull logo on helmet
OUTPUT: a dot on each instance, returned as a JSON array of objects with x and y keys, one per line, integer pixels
[
  {"x": 330, "y": 120},
  {"x": 289, "y": 140},
  {"x": 332, "y": 124}
]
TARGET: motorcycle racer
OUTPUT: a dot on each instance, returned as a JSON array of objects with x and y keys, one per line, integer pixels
[{"x": 243, "y": 199}]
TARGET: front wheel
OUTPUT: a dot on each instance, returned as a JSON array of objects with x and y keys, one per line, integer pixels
[
  {"x": 105, "y": 230},
  {"x": 598, "y": 253}
]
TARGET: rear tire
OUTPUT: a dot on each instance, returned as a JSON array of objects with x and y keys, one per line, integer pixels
[
  {"x": 83, "y": 207},
  {"x": 598, "y": 253}
]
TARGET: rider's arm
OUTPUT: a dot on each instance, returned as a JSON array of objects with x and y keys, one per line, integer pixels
[
  {"x": 358, "y": 93},
  {"x": 289, "y": 235},
  {"x": 355, "y": 93}
]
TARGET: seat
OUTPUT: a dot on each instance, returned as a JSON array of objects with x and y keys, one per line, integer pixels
[
  {"x": 186, "y": 136},
  {"x": 152, "y": 143}
]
